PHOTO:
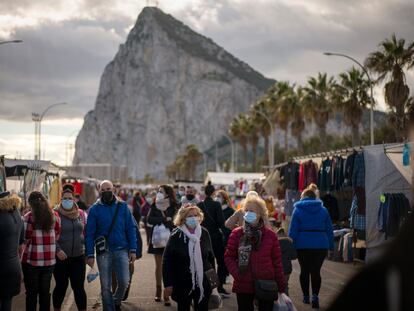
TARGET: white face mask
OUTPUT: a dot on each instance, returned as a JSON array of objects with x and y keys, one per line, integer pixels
[{"x": 161, "y": 202}]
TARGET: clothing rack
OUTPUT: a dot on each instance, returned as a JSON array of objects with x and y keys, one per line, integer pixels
[{"x": 345, "y": 151}]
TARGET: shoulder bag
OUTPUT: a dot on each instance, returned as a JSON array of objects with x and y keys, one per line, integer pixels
[{"x": 101, "y": 242}]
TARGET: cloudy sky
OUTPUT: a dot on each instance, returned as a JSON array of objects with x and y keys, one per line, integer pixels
[{"x": 68, "y": 43}]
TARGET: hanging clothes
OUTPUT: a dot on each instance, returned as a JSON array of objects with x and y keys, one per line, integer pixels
[
  {"x": 348, "y": 169},
  {"x": 77, "y": 186},
  {"x": 310, "y": 173},
  {"x": 301, "y": 183},
  {"x": 393, "y": 212},
  {"x": 338, "y": 180},
  {"x": 331, "y": 204},
  {"x": 357, "y": 221},
  {"x": 291, "y": 197},
  {"x": 325, "y": 178},
  {"x": 358, "y": 173},
  {"x": 55, "y": 192},
  {"x": 290, "y": 175}
]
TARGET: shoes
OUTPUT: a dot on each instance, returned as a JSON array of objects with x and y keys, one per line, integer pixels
[
  {"x": 158, "y": 294},
  {"x": 126, "y": 293},
  {"x": 223, "y": 292},
  {"x": 315, "y": 302},
  {"x": 167, "y": 301},
  {"x": 306, "y": 299}
]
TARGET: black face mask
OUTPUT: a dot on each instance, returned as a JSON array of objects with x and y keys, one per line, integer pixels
[
  {"x": 190, "y": 197},
  {"x": 107, "y": 197}
]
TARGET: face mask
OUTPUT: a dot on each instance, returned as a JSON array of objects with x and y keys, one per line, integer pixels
[
  {"x": 181, "y": 193},
  {"x": 161, "y": 202},
  {"x": 191, "y": 222},
  {"x": 219, "y": 199},
  {"x": 190, "y": 197},
  {"x": 107, "y": 197},
  {"x": 67, "y": 204},
  {"x": 250, "y": 217},
  {"x": 160, "y": 196},
  {"x": 149, "y": 200}
]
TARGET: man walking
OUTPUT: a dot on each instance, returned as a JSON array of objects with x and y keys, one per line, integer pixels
[{"x": 111, "y": 231}]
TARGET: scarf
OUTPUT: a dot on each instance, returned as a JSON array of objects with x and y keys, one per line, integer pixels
[
  {"x": 250, "y": 240},
  {"x": 71, "y": 214},
  {"x": 162, "y": 204},
  {"x": 196, "y": 260}
]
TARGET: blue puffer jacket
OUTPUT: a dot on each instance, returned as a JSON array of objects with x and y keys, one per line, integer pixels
[
  {"x": 123, "y": 235},
  {"x": 311, "y": 226}
]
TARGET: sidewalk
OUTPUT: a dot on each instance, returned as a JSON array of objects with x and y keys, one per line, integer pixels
[{"x": 334, "y": 276}]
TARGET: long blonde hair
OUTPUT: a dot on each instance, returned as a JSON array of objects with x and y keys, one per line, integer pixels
[{"x": 182, "y": 213}]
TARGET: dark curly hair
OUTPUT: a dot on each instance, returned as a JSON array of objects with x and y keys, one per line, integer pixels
[{"x": 43, "y": 214}]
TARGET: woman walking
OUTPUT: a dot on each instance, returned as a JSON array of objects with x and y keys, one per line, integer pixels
[
  {"x": 188, "y": 255},
  {"x": 312, "y": 235},
  {"x": 253, "y": 255},
  {"x": 42, "y": 230},
  {"x": 11, "y": 237},
  {"x": 70, "y": 252},
  {"x": 162, "y": 212}
]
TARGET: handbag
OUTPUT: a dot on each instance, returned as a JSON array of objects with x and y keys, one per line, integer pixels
[
  {"x": 266, "y": 290},
  {"x": 215, "y": 301},
  {"x": 212, "y": 278},
  {"x": 160, "y": 236},
  {"x": 101, "y": 242}
]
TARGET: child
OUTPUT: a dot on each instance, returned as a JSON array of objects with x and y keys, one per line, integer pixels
[{"x": 288, "y": 254}]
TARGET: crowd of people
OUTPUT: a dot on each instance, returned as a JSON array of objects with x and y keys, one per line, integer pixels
[{"x": 197, "y": 241}]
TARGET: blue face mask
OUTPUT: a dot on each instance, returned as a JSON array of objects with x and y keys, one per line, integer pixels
[
  {"x": 191, "y": 222},
  {"x": 250, "y": 217},
  {"x": 67, "y": 204}
]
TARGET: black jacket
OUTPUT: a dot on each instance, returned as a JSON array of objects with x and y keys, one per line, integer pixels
[
  {"x": 213, "y": 218},
  {"x": 156, "y": 217},
  {"x": 176, "y": 262},
  {"x": 288, "y": 254}
]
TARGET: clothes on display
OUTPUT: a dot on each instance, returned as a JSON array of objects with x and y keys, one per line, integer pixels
[
  {"x": 357, "y": 221},
  {"x": 289, "y": 175},
  {"x": 393, "y": 211},
  {"x": 331, "y": 204},
  {"x": 291, "y": 197},
  {"x": 55, "y": 192},
  {"x": 325, "y": 175}
]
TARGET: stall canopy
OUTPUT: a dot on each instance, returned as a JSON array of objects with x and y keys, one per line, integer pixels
[
  {"x": 395, "y": 154},
  {"x": 384, "y": 174},
  {"x": 227, "y": 179}
]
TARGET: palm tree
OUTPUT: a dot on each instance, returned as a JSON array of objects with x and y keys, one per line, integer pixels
[
  {"x": 263, "y": 126},
  {"x": 389, "y": 63},
  {"x": 193, "y": 156},
  {"x": 285, "y": 97},
  {"x": 297, "y": 114},
  {"x": 318, "y": 100},
  {"x": 252, "y": 131},
  {"x": 237, "y": 130},
  {"x": 351, "y": 97}
]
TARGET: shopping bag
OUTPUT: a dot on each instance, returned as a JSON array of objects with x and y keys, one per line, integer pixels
[
  {"x": 92, "y": 275},
  {"x": 284, "y": 303},
  {"x": 160, "y": 236},
  {"x": 215, "y": 301}
]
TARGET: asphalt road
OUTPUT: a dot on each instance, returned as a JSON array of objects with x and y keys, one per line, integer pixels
[{"x": 334, "y": 276}]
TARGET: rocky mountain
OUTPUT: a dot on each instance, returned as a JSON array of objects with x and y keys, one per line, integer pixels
[{"x": 167, "y": 87}]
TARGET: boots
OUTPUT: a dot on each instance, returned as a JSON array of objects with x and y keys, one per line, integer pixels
[
  {"x": 158, "y": 294},
  {"x": 315, "y": 302},
  {"x": 167, "y": 302}
]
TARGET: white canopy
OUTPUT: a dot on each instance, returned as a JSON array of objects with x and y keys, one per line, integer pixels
[{"x": 222, "y": 178}]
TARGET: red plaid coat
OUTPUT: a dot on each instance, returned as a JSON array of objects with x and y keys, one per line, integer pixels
[{"x": 40, "y": 247}]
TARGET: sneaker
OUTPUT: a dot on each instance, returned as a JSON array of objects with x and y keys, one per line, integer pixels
[
  {"x": 223, "y": 292},
  {"x": 315, "y": 302},
  {"x": 306, "y": 299}
]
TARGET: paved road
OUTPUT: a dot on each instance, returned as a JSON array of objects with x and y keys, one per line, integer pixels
[{"x": 334, "y": 276}]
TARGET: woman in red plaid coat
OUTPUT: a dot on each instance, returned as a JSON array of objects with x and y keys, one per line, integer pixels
[{"x": 42, "y": 230}]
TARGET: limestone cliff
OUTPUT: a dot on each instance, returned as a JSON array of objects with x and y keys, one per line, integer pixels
[{"x": 167, "y": 87}]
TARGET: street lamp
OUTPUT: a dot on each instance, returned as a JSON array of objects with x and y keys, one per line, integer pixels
[
  {"x": 272, "y": 140},
  {"x": 371, "y": 86},
  {"x": 38, "y": 129},
  {"x": 11, "y": 41}
]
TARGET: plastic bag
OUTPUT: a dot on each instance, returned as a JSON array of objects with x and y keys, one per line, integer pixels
[
  {"x": 284, "y": 303},
  {"x": 215, "y": 301},
  {"x": 92, "y": 275},
  {"x": 160, "y": 236}
]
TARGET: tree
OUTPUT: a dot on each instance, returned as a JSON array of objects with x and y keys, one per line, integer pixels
[
  {"x": 297, "y": 115},
  {"x": 252, "y": 131},
  {"x": 389, "y": 63},
  {"x": 257, "y": 111},
  {"x": 351, "y": 98},
  {"x": 237, "y": 131},
  {"x": 318, "y": 101},
  {"x": 285, "y": 97},
  {"x": 193, "y": 156}
]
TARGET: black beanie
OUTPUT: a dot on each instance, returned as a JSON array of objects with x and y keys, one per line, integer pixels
[{"x": 209, "y": 190}]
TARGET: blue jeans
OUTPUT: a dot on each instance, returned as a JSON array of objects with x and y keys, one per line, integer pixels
[{"x": 119, "y": 262}]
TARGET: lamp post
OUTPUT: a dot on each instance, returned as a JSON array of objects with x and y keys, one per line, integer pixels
[
  {"x": 371, "y": 125},
  {"x": 11, "y": 41},
  {"x": 38, "y": 129},
  {"x": 272, "y": 140},
  {"x": 68, "y": 147},
  {"x": 232, "y": 152}
]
